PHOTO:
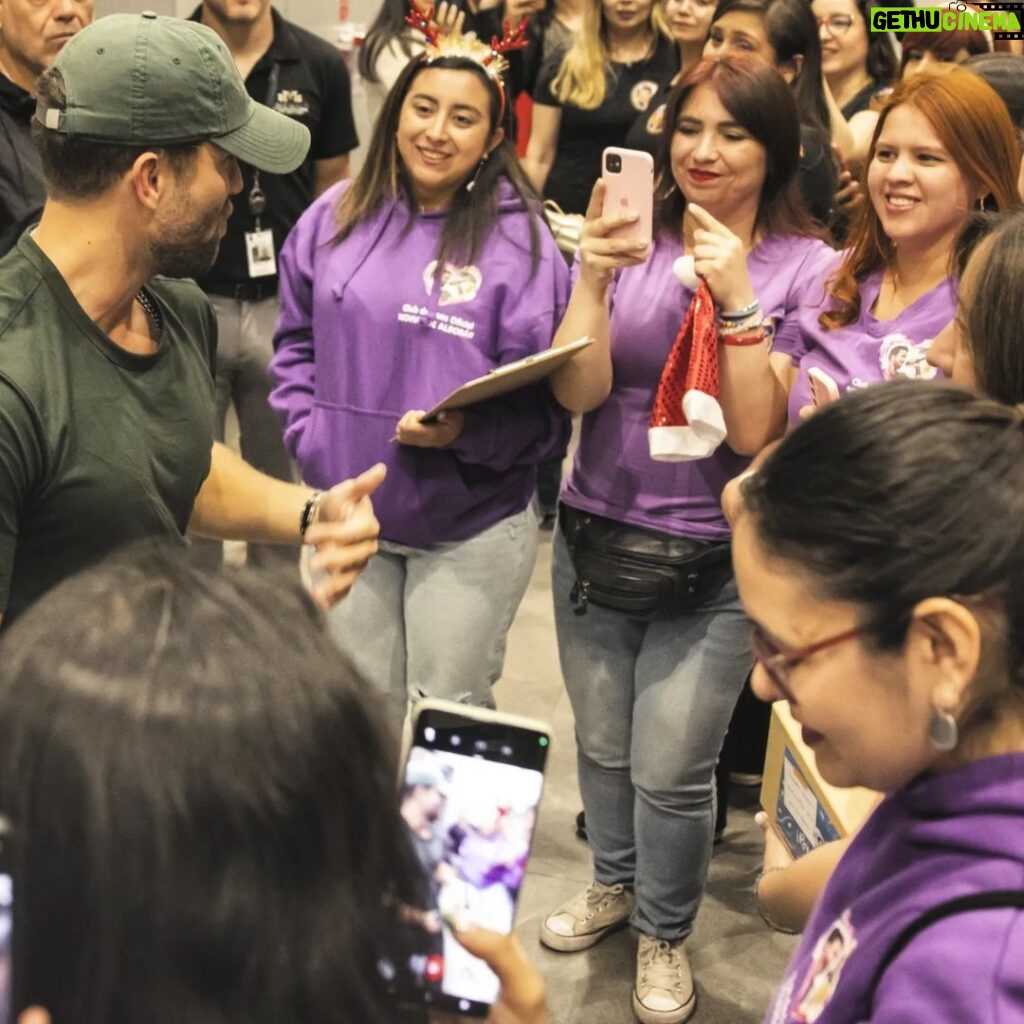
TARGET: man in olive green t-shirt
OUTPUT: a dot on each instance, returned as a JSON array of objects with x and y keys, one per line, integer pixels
[{"x": 106, "y": 393}]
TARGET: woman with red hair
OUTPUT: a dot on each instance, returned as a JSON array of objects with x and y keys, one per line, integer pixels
[{"x": 944, "y": 146}]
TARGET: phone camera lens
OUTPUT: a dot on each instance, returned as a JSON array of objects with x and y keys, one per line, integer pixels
[{"x": 614, "y": 163}]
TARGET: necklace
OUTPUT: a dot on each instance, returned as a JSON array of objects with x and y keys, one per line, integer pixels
[{"x": 152, "y": 311}]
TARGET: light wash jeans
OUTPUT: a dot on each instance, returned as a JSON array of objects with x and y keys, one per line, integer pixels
[
  {"x": 652, "y": 702},
  {"x": 434, "y": 622},
  {"x": 245, "y": 333}
]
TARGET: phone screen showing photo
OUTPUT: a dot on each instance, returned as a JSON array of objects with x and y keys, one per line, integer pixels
[
  {"x": 469, "y": 802},
  {"x": 6, "y": 948}
]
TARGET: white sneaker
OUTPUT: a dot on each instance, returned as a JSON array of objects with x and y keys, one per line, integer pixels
[
  {"x": 587, "y": 918},
  {"x": 664, "y": 992}
]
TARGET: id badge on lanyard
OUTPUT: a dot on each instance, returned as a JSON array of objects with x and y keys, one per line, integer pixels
[{"x": 259, "y": 242}]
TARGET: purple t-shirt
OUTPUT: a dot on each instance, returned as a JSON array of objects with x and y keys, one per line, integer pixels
[
  {"x": 868, "y": 351},
  {"x": 371, "y": 327},
  {"x": 941, "y": 837},
  {"x": 613, "y": 474}
]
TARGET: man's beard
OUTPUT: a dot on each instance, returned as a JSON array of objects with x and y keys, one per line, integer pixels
[{"x": 188, "y": 250}]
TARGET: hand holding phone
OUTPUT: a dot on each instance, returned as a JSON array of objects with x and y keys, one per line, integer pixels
[
  {"x": 470, "y": 790},
  {"x": 628, "y": 176}
]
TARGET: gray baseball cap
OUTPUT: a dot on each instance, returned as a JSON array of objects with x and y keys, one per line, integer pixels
[{"x": 147, "y": 80}]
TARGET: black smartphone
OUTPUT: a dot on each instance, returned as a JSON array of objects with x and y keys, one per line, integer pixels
[
  {"x": 471, "y": 787},
  {"x": 6, "y": 927}
]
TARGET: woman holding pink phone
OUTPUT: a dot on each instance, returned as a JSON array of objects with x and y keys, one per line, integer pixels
[
  {"x": 944, "y": 145},
  {"x": 653, "y": 672}
]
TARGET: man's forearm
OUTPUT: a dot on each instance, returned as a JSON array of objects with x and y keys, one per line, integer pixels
[{"x": 237, "y": 502}]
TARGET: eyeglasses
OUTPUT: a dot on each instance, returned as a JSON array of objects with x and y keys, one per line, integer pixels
[
  {"x": 836, "y": 24},
  {"x": 778, "y": 664}
]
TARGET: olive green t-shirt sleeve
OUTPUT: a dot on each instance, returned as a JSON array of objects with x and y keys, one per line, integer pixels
[{"x": 22, "y": 465}]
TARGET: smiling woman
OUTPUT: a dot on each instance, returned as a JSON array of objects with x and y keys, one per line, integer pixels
[
  {"x": 874, "y": 311},
  {"x": 431, "y": 268},
  {"x": 901, "y": 624}
]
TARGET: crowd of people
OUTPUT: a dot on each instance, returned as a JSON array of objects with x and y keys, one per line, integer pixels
[{"x": 198, "y": 763}]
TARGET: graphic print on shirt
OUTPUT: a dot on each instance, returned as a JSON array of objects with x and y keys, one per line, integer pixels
[
  {"x": 901, "y": 357},
  {"x": 292, "y": 103},
  {"x": 458, "y": 284},
  {"x": 642, "y": 93},
  {"x": 828, "y": 958},
  {"x": 656, "y": 122}
]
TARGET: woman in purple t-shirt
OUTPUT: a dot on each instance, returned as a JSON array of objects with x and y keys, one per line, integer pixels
[
  {"x": 943, "y": 146},
  {"x": 652, "y": 693}
]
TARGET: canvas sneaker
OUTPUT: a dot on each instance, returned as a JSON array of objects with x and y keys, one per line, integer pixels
[
  {"x": 587, "y": 918},
  {"x": 664, "y": 992}
]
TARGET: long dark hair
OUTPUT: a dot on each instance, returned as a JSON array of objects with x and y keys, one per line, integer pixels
[
  {"x": 757, "y": 96},
  {"x": 992, "y": 329},
  {"x": 918, "y": 492},
  {"x": 471, "y": 216},
  {"x": 388, "y": 26},
  {"x": 204, "y": 803},
  {"x": 792, "y": 30},
  {"x": 881, "y": 63}
]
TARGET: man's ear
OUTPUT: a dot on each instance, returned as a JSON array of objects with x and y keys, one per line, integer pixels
[
  {"x": 150, "y": 177},
  {"x": 946, "y": 639}
]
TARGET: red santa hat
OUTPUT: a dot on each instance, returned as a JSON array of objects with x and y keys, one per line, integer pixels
[{"x": 687, "y": 421}]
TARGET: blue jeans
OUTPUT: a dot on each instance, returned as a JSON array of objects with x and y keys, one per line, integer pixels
[
  {"x": 433, "y": 622},
  {"x": 652, "y": 702}
]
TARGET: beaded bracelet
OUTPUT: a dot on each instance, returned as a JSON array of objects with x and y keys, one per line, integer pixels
[{"x": 310, "y": 512}]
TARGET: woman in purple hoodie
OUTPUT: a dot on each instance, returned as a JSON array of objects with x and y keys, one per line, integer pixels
[
  {"x": 888, "y": 611},
  {"x": 431, "y": 268}
]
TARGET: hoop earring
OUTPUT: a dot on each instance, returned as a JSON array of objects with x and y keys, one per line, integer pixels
[
  {"x": 471, "y": 184},
  {"x": 942, "y": 730}
]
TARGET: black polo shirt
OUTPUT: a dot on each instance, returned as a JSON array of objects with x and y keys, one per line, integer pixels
[{"x": 313, "y": 87}]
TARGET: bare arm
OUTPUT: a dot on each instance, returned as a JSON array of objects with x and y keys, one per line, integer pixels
[
  {"x": 842, "y": 138},
  {"x": 328, "y": 172},
  {"x": 583, "y": 383},
  {"x": 786, "y": 895},
  {"x": 237, "y": 502},
  {"x": 543, "y": 144}
]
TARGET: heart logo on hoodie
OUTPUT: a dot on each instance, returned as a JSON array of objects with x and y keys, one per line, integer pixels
[{"x": 458, "y": 284}]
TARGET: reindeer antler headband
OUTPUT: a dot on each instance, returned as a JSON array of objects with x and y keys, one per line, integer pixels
[{"x": 489, "y": 56}]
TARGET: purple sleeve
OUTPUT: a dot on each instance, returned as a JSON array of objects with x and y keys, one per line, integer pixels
[
  {"x": 527, "y": 426},
  {"x": 808, "y": 290},
  {"x": 292, "y": 368}
]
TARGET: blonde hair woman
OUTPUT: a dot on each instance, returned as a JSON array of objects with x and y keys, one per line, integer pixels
[{"x": 588, "y": 97}]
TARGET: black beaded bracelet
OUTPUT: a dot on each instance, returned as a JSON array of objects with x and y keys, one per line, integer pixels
[{"x": 309, "y": 512}]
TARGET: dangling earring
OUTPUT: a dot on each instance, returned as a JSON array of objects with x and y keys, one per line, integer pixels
[
  {"x": 982, "y": 204},
  {"x": 471, "y": 184},
  {"x": 942, "y": 730}
]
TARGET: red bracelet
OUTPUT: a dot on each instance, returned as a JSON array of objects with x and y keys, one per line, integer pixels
[{"x": 753, "y": 337}]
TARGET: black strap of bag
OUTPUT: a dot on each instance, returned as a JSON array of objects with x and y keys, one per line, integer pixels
[
  {"x": 641, "y": 573},
  {"x": 997, "y": 899}
]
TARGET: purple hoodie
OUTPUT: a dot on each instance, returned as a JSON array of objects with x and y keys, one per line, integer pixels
[
  {"x": 368, "y": 331},
  {"x": 940, "y": 837}
]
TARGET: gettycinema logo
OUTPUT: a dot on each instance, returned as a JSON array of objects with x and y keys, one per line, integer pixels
[{"x": 1002, "y": 20}]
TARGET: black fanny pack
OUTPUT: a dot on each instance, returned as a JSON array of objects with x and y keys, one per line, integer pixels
[{"x": 640, "y": 573}]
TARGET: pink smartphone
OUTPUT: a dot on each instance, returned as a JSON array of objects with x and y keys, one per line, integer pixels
[
  {"x": 823, "y": 388},
  {"x": 628, "y": 176}
]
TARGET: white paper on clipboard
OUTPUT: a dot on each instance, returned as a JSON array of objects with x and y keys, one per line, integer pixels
[{"x": 509, "y": 377}]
